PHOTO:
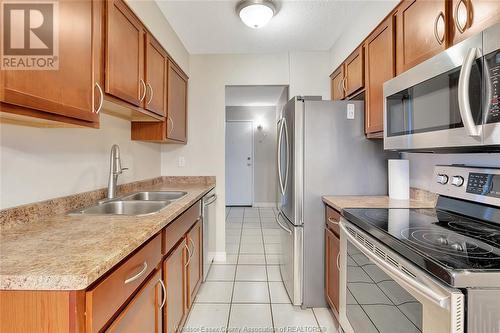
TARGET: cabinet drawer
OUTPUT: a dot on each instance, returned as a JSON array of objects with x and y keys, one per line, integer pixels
[
  {"x": 332, "y": 220},
  {"x": 177, "y": 228},
  {"x": 109, "y": 295}
]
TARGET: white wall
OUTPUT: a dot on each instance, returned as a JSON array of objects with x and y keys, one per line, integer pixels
[
  {"x": 359, "y": 29},
  {"x": 209, "y": 75},
  {"x": 153, "y": 19},
  {"x": 264, "y": 148},
  {"x": 42, "y": 163}
]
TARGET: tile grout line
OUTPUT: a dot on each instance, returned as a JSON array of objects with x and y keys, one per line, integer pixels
[{"x": 267, "y": 276}]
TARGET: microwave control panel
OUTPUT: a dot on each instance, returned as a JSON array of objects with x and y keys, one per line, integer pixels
[{"x": 493, "y": 65}]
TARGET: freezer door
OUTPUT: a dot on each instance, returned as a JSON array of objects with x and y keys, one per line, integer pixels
[{"x": 291, "y": 258}]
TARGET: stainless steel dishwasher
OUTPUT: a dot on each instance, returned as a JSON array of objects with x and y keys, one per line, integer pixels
[{"x": 208, "y": 231}]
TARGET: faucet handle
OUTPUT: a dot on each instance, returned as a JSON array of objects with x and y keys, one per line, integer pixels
[{"x": 123, "y": 169}]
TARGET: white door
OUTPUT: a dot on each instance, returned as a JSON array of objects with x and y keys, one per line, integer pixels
[{"x": 239, "y": 163}]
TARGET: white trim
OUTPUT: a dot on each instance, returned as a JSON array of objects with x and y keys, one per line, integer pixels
[
  {"x": 220, "y": 256},
  {"x": 265, "y": 204}
]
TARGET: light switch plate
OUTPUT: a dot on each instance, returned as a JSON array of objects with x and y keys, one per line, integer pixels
[
  {"x": 182, "y": 161},
  {"x": 350, "y": 111}
]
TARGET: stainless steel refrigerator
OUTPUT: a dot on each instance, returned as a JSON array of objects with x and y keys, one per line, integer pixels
[{"x": 322, "y": 150}]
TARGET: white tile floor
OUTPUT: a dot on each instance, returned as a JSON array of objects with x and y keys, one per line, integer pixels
[{"x": 246, "y": 293}]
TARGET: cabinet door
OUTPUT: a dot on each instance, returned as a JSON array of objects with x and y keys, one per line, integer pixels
[
  {"x": 176, "y": 103},
  {"x": 124, "y": 54},
  {"x": 471, "y": 16},
  {"x": 156, "y": 77},
  {"x": 337, "y": 84},
  {"x": 379, "y": 67},
  {"x": 70, "y": 90},
  {"x": 421, "y": 31},
  {"x": 175, "y": 282},
  {"x": 354, "y": 72},
  {"x": 194, "y": 238},
  {"x": 143, "y": 313},
  {"x": 332, "y": 280}
]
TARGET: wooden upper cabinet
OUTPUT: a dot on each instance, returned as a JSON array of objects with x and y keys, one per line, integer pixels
[
  {"x": 379, "y": 67},
  {"x": 332, "y": 278},
  {"x": 420, "y": 31},
  {"x": 354, "y": 74},
  {"x": 194, "y": 238},
  {"x": 469, "y": 17},
  {"x": 176, "y": 103},
  {"x": 156, "y": 77},
  {"x": 69, "y": 94},
  {"x": 175, "y": 281},
  {"x": 144, "y": 312},
  {"x": 124, "y": 54},
  {"x": 337, "y": 84}
]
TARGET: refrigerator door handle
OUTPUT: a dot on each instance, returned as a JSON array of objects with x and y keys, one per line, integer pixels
[
  {"x": 278, "y": 156},
  {"x": 281, "y": 225},
  {"x": 287, "y": 156}
]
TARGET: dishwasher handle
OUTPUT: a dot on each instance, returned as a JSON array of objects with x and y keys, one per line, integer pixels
[{"x": 210, "y": 200}]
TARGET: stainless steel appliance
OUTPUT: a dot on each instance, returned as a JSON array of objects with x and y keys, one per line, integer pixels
[
  {"x": 208, "y": 216},
  {"x": 450, "y": 101},
  {"x": 426, "y": 270},
  {"x": 322, "y": 149}
]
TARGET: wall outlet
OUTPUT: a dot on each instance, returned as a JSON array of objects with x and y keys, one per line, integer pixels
[
  {"x": 350, "y": 111},
  {"x": 182, "y": 161}
]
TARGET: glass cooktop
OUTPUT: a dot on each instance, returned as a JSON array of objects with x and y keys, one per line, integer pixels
[{"x": 437, "y": 241}]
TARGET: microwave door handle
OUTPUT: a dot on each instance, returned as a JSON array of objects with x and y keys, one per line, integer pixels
[
  {"x": 278, "y": 156},
  {"x": 463, "y": 94},
  {"x": 420, "y": 287},
  {"x": 487, "y": 92}
]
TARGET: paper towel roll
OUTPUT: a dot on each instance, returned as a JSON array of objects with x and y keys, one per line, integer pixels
[{"x": 399, "y": 179}]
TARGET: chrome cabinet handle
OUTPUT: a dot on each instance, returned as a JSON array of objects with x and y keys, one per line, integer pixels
[
  {"x": 138, "y": 275},
  {"x": 281, "y": 225},
  {"x": 101, "y": 98},
  {"x": 150, "y": 94},
  {"x": 414, "y": 284},
  {"x": 164, "y": 293},
  {"x": 338, "y": 261},
  {"x": 436, "y": 34},
  {"x": 143, "y": 85},
  {"x": 344, "y": 84},
  {"x": 457, "y": 23},
  {"x": 463, "y": 93},
  {"x": 189, "y": 255},
  {"x": 211, "y": 200},
  {"x": 172, "y": 122},
  {"x": 280, "y": 176},
  {"x": 192, "y": 244},
  {"x": 330, "y": 219}
]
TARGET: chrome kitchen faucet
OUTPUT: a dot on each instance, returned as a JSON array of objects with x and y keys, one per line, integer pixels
[{"x": 115, "y": 169}]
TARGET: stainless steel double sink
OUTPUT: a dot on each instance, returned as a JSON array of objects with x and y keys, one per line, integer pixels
[{"x": 135, "y": 204}]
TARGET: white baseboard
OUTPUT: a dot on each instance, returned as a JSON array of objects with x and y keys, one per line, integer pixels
[
  {"x": 220, "y": 256},
  {"x": 265, "y": 204}
]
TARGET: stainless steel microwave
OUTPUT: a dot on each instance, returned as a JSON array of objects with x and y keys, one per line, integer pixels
[{"x": 450, "y": 101}]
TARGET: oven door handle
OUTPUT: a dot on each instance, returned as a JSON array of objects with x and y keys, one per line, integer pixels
[
  {"x": 420, "y": 287},
  {"x": 463, "y": 93}
]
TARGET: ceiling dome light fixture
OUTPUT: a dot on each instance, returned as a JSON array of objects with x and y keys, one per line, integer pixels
[{"x": 256, "y": 13}]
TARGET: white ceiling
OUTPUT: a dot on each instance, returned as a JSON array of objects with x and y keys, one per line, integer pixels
[
  {"x": 253, "y": 95},
  {"x": 213, "y": 26}
]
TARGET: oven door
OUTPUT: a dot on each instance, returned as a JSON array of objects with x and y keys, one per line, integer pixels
[
  {"x": 381, "y": 292},
  {"x": 438, "y": 103}
]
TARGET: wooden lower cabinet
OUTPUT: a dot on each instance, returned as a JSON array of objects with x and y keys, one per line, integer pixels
[
  {"x": 332, "y": 278},
  {"x": 195, "y": 263},
  {"x": 174, "y": 275},
  {"x": 143, "y": 313}
]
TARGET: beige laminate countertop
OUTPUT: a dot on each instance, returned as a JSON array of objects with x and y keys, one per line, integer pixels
[
  {"x": 71, "y": 252},
  {"x": 342, "y": 202}
]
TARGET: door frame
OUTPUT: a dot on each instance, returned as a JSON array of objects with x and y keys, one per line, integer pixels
[{"x": 253, "y": 156}]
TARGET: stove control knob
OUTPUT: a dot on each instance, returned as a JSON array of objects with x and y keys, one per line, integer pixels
[
  {"x": 442, "y": 179},
  {"x": 457, "y": 181}
]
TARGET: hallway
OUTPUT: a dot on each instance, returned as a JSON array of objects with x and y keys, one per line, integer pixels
[{"x": 246, "y": 293}]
